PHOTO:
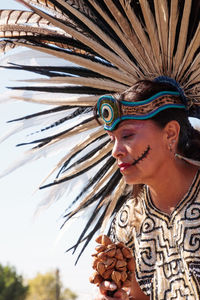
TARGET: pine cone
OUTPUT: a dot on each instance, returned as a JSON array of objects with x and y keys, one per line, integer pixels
[{"x": 112, "y": 262}]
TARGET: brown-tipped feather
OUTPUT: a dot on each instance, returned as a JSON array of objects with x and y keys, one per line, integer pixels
[
  {"x": 180, "y": 52},
  {"x": 189, "y": 55},
  {"x": 153, "y": 34},
  {"x": 162, "y": 19},
  {"x": 172, "y": 34}
]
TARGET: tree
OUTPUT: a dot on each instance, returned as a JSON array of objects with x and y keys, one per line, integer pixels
[
  {"x": 48, "y": 286},
  {"x": 11, "y": 284},
  {"x": 68, "y": 294}
]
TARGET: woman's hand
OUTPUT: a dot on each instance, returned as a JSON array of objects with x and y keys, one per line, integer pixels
[{"x": 108, "y": 291}]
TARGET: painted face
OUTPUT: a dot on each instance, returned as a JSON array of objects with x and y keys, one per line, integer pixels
[{"x": 139, "y": 148}]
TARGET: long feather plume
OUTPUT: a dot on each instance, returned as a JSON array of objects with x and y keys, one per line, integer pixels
[
  {"x": 82, "y": 49},
  {"x": 173, "y": 20},
  {"x": 153, "y": 32},
  {"x": 162, "y": 16},
  {"x": 183, "y": 36}
]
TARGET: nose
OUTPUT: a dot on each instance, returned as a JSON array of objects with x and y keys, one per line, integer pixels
[{"x": 118, "y": 149}]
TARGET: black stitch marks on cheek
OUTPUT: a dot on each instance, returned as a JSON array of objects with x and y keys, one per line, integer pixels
[{"x": 142, "y": 156}]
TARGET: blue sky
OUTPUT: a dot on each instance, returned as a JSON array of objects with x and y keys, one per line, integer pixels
[{"x": 30, "y": 244}]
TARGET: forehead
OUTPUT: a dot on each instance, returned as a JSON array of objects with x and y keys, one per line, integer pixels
[
  {"x": 148, "y": 127},
  {"x": 130, "y": 125}
]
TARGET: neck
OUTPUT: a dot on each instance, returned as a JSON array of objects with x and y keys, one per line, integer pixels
[{"x": 171, "y": 185}]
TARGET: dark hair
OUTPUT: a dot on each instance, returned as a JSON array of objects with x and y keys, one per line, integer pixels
[{"x": 189, "y": 138}]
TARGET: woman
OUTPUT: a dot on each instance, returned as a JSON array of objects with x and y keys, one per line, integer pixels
[
  {"x": 111, "y": 45},
  {"x": 158, "y": 152}
]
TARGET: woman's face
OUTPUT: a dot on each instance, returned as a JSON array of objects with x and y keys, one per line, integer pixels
[{"x": 139, "y": 147}]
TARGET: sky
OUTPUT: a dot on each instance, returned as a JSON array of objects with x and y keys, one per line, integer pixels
[{"x": 32, "y": 244}]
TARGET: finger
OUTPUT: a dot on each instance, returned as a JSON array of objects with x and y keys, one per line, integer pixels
[
  {"x": 121, "y": 294},
  {"x": 107, "y": 286}
]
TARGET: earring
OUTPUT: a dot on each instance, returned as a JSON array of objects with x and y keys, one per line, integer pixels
[{"x": 171, "y": 144}]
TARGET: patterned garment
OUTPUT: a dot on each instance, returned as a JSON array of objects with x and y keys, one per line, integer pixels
[{"x": 166, "y": 247}]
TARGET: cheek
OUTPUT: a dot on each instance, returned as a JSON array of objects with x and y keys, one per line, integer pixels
[
  {"x": 156, "y": 158},
  {"x": 141, "y": 142},
  {"x": 153, "y": 158}
]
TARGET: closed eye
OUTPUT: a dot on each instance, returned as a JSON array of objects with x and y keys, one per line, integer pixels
[{"x": 128, "y": 136}]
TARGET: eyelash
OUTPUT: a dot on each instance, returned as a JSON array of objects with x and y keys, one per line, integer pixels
[
  {"x": 112, "y": 140},
  {"x": 127, "y": 136}
]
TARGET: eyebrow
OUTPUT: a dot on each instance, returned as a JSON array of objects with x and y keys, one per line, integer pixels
[
  {"x": 122, "y": 130},
  {"x": 128, "y": 127}
]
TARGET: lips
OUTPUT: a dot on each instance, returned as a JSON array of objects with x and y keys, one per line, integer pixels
[{"x": 124, "y": 166}]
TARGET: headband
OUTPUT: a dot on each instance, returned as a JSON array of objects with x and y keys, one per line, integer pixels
[{"x": 113, "y": 111}]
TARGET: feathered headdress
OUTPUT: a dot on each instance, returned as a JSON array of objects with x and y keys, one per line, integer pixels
[{"x": 111, "y": 45}]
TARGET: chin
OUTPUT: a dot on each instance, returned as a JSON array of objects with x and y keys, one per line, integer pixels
[{"x": 132, "y": 180}]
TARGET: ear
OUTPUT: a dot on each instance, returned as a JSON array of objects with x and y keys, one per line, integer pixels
[{"x": 171, "y": 134}]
